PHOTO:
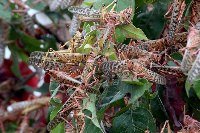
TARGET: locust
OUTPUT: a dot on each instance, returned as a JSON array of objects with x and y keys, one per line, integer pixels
[
  {"x": 194, "y": 72},
  {"x": 84, "y": 11},
  {"x": 28, "y": 22},
  {"x": 140, "y": 51},
  {"x": 54, "y": 65},
  {"x": 163, "y": 43},
  {"x": 62, "y": 77},
  {"x": 195, "y": 11},
  {"x": 74, "y": 25},
  {"x": 60, "y": 56},
  {"x": 190, "y": 125},
  {"x": 133, "y": 66},
  {"x": 75, "y": 42},
  {"x": 172, "y": 70},
  {"x": 178, "y": 9},
  {"x": 89, "y": 68},
  {"x": 192, "y": 43}
]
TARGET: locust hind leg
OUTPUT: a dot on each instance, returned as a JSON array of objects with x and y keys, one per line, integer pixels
[
  {"x": 115, "y": 3},
  {"x": 60, "y": 47}
]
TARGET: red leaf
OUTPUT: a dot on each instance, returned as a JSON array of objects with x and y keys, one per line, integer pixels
[
  {"x": 47, "y": 78},
  {"x": 5, "y": 70},
  {"x": 25, "y": 72}
]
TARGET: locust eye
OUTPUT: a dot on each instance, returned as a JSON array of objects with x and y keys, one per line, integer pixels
[
  {"x": 85, "y": 55},
  {"x": 83, "y": 83},
  {"x": 129, "y": 15},
  {"x": 76, "y": 107}
]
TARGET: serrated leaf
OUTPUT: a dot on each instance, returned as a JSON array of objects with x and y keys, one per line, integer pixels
[
  {"x": 130, "y": 31},
  {"x": 134, "y": 121}
]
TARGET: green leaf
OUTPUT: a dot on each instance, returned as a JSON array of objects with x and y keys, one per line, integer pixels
[
  {"x": 53, "y": 88},
  {"x": 153, "y": 22},
  {"x": 134, "y": 121},
  {"x": 122, "y": 111},
  {"x": 15, "y": 65},
  {"x": 23, "y": 56},
  {"x": 40, "y": 6},
  {"x": 119, "y": 36},
  {"x": 5, "y": 13},
  {"x": 110, "y": 97},
  {"x": 148, "y": 1},
  {"x": 139, "y": 3},
  {"x": 187, "y": 87},
  {"x": 88, "y": 41},
  {"x": 60, "y": 128},
  {"x": 149, "y": 95},
  {"x": 55, "y": 101},
  {"x": 110, "y": 53},
  {"x": 130, "y": 31},
  {"x": 31, "y": 44},
  {"x": 196, "y": 86},
  {"x": 51, "y": 41},
  {"x": 157, "y": 107},
  {"x": 193, "y": 100},
  {"x": 91, "y": 125},
  {"x": 136, "y": 90}
]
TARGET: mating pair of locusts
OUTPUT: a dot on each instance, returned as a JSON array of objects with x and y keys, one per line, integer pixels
[{"x": 108, "y": 19}]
